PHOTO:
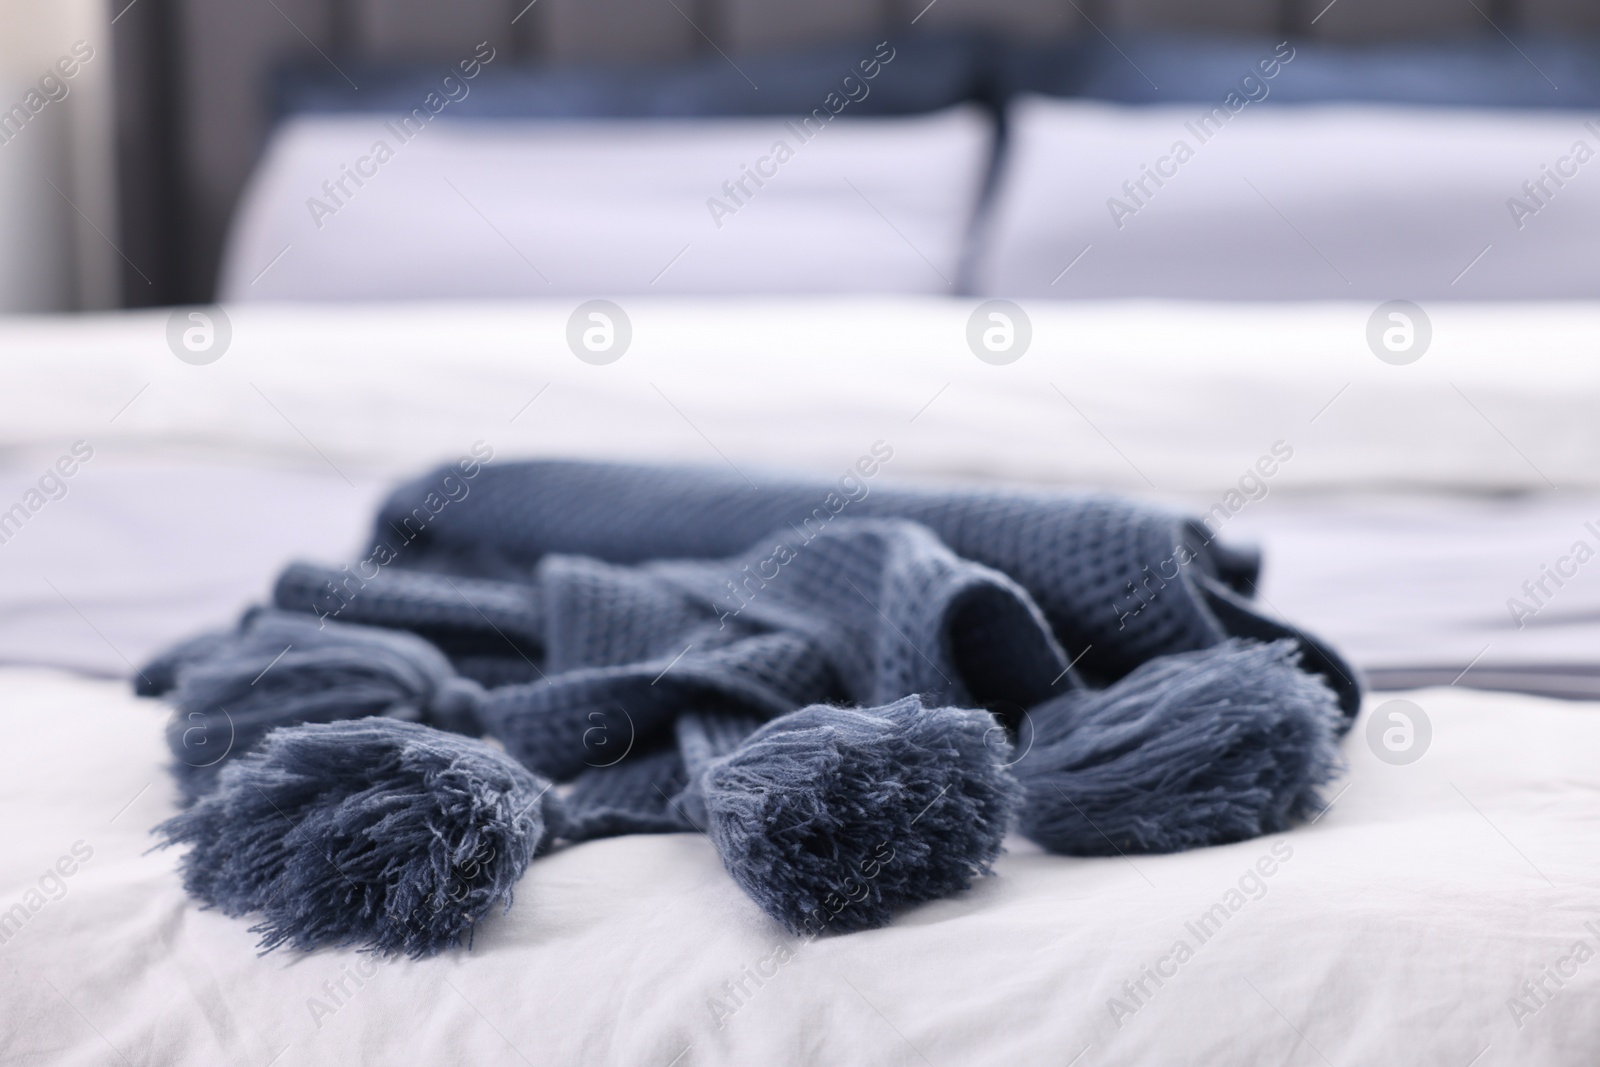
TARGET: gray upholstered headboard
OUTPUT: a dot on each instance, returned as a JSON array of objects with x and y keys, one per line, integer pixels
[{"x": 191, "y": 72}]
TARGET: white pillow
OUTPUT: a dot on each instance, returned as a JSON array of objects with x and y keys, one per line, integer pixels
[
  {"x": 599, "y": 208},
  {"x": 1292, "y": 202}
]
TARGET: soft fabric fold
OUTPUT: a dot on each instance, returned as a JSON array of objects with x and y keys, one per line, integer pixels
[{"x": 853, "y": 692}]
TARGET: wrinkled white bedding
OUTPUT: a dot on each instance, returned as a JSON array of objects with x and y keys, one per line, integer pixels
[
  {"x": 1400, "y": 927},
  {"x": 1145, "y": 396},
  {"x": 1398, "y": 931}
]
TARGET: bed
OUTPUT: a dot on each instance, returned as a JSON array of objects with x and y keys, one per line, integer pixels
[
  {"x": 980, "y": 247},
  {"x": 1409, "y": 914}
]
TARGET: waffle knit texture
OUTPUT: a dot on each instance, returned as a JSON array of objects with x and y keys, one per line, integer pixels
[{"x": 687, "y": 651}]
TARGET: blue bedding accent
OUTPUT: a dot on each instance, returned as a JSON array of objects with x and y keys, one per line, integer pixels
[
  {"x": 934, "y": 71},
  {"x": 853, "y": 707},
  {"x": 925, "y": 73},
  {"x": 1467, "y": 72}
]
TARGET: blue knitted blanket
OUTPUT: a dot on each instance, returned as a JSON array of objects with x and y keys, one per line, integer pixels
[{"x": 854, "y": 691}]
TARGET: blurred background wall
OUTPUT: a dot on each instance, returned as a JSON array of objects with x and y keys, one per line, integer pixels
[{"x": 58, "y": 217}]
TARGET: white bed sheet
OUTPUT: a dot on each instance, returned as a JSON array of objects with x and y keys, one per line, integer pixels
[
  {"x": 1144, "y": 396},
  {"x": 1430, "y": 580},
  {"x": 1397, "y": 930},
  {"x": 1406, "y": 919},
  {"x": 144, "y": 551}
]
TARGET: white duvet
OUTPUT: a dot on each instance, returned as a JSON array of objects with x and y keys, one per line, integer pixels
[
  {"x": 1437, "y": 912},
  {"x": 1140, "y": 395}
]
